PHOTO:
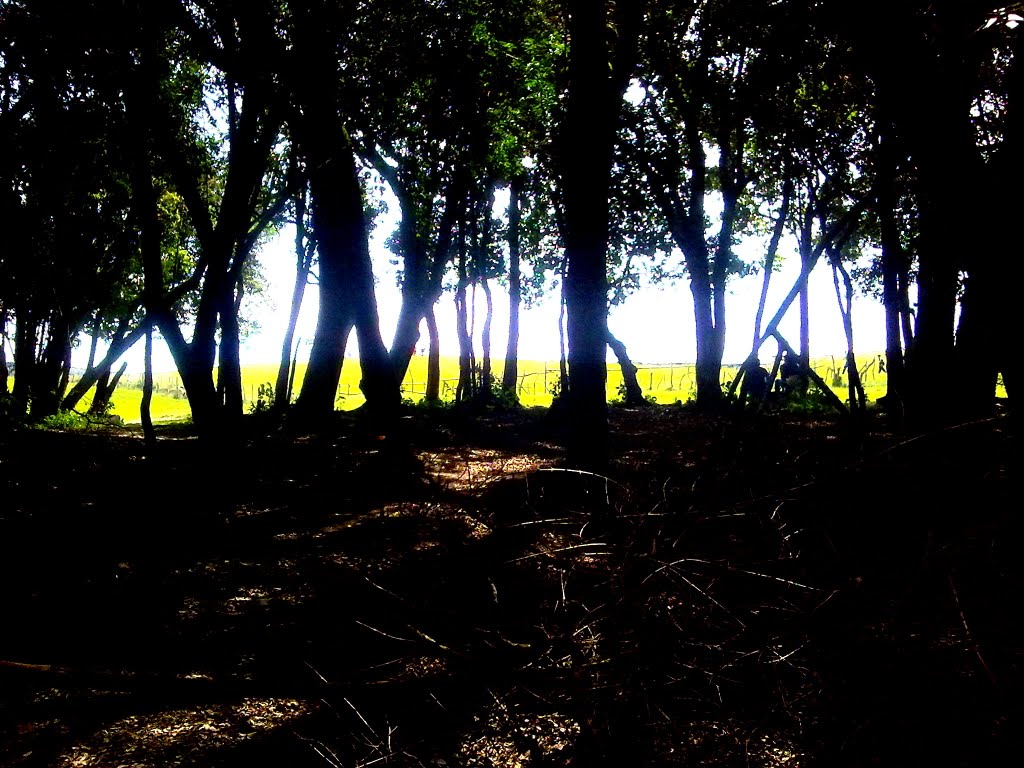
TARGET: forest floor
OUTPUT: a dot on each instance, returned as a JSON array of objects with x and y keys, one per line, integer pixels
[{"x": 767, "y": 590}]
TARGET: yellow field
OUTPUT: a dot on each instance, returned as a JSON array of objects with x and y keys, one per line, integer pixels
[{"x": 663, "y": 383}]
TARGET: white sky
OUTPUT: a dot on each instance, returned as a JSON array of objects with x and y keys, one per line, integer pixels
[{"x": 656, "y": 324}]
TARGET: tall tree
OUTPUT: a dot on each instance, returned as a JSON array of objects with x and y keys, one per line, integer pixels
[
  {"x": 322, "y": 37},
  {"x": 598, "y": 73}
]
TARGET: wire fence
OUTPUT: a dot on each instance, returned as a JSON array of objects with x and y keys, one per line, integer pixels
[{"x": 678, "y": 379}]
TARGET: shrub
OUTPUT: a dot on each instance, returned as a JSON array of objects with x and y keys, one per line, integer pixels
[
  {"x": 67, "y": 421},
  {"x": 264, "y": 398}
]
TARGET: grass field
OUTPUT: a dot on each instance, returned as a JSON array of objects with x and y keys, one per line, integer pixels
[{"x": 662, "y": 383}]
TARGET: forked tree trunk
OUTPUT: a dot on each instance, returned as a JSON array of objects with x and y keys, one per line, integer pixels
[
  {"x": 346, "y": 289},
  {"x": 858, "y": 401}
]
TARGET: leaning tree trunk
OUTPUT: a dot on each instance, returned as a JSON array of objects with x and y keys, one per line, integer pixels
[
  {"x": 769, "y": 259},
  {"x": 105, "y": 387},
  {"x": 121, "y": 342},
  {"x": 634, "y": 394},
  {"x": 858, "y": 402},
  {"x": 303, "y": 259}
]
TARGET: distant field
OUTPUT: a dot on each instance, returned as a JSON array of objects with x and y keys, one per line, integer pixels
[{"x": 665, "y": 383}]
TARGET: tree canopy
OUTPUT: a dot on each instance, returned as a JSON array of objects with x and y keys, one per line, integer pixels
[{"x": 147, "y": 160}]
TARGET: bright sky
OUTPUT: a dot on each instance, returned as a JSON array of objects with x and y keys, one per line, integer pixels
[{"x": 656, "y": 324}]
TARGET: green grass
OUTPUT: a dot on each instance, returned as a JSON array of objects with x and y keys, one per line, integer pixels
[{"x": 663, "y": 383}]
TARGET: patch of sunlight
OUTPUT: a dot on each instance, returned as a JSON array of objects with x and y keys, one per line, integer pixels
[
  {"x": 467, "y": 468},
  {"x": 182, "y": 736},
  {"x": 503, "y": 733}
]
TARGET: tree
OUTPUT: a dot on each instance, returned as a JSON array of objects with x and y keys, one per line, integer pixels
[
  {"x": 693, "y": 83},
  {"x": 927, "y": 67},
  {"x": 304, "y": 250},
  {"x": 65, "y": 193},
  {"x": 597, "y": 76}
]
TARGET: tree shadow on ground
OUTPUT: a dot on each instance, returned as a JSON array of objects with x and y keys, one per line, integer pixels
[{"x": 731, "y": 590}]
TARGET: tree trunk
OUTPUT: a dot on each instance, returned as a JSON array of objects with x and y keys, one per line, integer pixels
[
  {"x": 119, "y": 344},
  {"x": 708, "y": 367},
  {"x": 25, "y": 332},
  {"x": 323, "y": 372},
  {"x": 105, "y": 387},
  {"x": 97, "y": 326},
  {"x": 291, "y": 373},
  {"x": 769, "y": 258},
  {"x": 4, "y": 375},
  {"x": 510, "y": 374},
  {"x": 987, "y": 340},
  {"x": 486, "y": 378},
  {"x": 432, "y": 392},
  {"x": 586, "y": 145},
  {"x": 824, "y": 388},
  {"x": 145, "y": 408},
  {"x": 229, "y": 372},
  {"x": 303, "y": 257},
  {"x": 423, "y": 270},
  {"x": 465, "y": 388},
  {"x": 49, "y": 370},
  {"x": 920, "y": 78},
  {"x": 101, "y": 396},
  {"x": 893, "y": 269},
  {"x": 807, "y": 259},
  {"x": 856, "y": 390},
  {"x": 634, "y": 395},
  {"x": 346, "y": 285},
  {"x": 65, "y": 374}
]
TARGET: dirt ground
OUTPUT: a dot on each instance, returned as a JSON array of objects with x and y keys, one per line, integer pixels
[{"x": 767, "y": 590}]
